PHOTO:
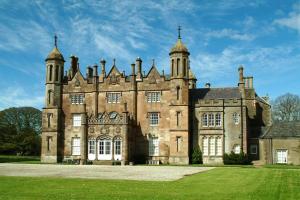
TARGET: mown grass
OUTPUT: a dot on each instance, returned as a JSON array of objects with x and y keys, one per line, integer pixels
[
  {"x": 219, "y": 183},
  {"x": 19, "y": 159}
]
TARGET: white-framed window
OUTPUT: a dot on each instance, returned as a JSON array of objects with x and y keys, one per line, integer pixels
[
  {"x": 153, "y": 146},
  {"x": 204, "y": 120},
  {"x": 75, "y": 146},
  {"x": 237, "y": 149},
  {"x": 212, "y": 146},
  {"x": 205, "y": 146},
  {"x": 153, "y": 118},
  {"x": 253, "y": 149},
  {"x": 236, "y": 118},
  {"x": 76, "y": 120},
  {"x": 92, "y": 146},
  {"x": 118, "y": 147},
  {"x": 281, "y": 156},
  {"x": 77, "y": 98},
  {"x": 219, "y": 146},
  {"x": 153, "y": 97},
  {"x": 211, "y": 119},
  {"x": 218, "y": 119},
  {"x": 113, "y": 97}
]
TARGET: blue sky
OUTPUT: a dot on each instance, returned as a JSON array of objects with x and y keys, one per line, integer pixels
[{"x": 220, "y": 35}]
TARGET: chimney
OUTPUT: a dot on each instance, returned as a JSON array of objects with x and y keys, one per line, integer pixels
[
  {"x": 139, "y": 75},
  {"x": 74, "y": 64},
  {"x": 89, "y": 72},
  {"x": 241, "y": 77},
  {"x": 207, "y": 85},
  {"x": 132, "y": 69},
  {"x": 95, "y": 70},
  {"x": 103, "y": 73}
]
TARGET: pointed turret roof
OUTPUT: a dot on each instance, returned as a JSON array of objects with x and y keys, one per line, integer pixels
[
  {"x": 55, "y": 53},
  {"x": 179, "y": 47}
]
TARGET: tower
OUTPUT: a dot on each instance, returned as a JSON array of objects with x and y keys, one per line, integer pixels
[
  {"x": 179, "y": 107},
  {"x": 51, "y": 117}
]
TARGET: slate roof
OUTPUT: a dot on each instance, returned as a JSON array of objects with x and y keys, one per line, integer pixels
[
  {"x": 215, "y": 93},
  {"x": 283, "y": 130}
]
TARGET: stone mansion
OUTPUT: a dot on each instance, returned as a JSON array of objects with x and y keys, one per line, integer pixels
[{"x": 106, "y": 116}]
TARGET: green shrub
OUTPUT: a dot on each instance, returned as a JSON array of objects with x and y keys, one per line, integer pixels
[
  {"x": 236, "y": 159},
  {"x": 197, "y": 156}
]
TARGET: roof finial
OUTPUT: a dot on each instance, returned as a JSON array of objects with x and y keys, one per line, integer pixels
[
  {"x": 153, "y": 62},
  {"x": 55, "y": 40},
  {"x": 179, "y": 29},
  {"x": 114, "y": 60}
]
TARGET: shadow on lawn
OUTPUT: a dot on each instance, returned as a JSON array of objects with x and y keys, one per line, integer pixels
[{"x": 19, "y": 159}]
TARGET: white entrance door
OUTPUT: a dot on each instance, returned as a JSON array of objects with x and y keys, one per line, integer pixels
[
  {"x": 105, "y": 149},
  {"x": 118, "y": 149},
  {"x": 281, "y": 156},
  {"x": 92, "y": 149}
]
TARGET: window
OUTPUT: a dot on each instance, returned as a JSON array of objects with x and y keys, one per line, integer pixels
[
  {"x": 237, "y": 149},
  {"x": 77, "y": 98},
  {"x": 92, "y": 146},
  {"x": 184, "y": 67},
  {"x": 107, "y": 147},
  {"x": 212, "y": 146},
  {"x": 153, "y": 97},
  {"x": 236, "y": 118},
  {"x": 153, "y": 119},
  {"x": 113, "y": 97},
  {"x": 219, "y": 146},
  {"x": 281, "y": 156},
  {"x": 118, "y": 147},
  {"x": 50, "y": 93},
  {"x": 178, "y": 114},
  {"x": 153, "y": 146},
  {"x": 56, "y": 72},
  {"x": 101, "y": 147},
  {"x": 173, "y": 67},
  {"x": 76, "y": 146},
  {"x": 49, "y": 115},
  {"x": 253, "y": 149},
  {"x": 204, "y": 120},
  {"x": 205, "y": 146},
  {"x": 76, "y": 120},
  {"x": 49, "y": 139},
  {"x": 218, "y": 119},
  {"x": 179, "y": 143},
  {"x": 177, "y": 92},
  {"x": 50, "y": 72},
  {"x": 211, "y": 119}
]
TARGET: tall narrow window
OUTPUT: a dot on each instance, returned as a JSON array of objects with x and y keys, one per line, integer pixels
[
  {"x": 218, "y": 119},
  {"x": 211, "y": 119},
  {"x": 219, "y": 146},
  {"x": 92, "y": 146},
  {"x": 153, "y": 146},
  {"x": 50, "y": 72},
  {"x": 76, "y": 146},
  {"x": 212, "y": 146},
  {"x": 204, "y": 120},
  {"x": 76, "y": 120},
  {"x": 236, "y": 118},
  {"x": 49, "y": 120},
  {"x": 177, "y": 65},
  {"x": 178, "y": 118},
  {"x": 184, "y": 67},
  {"x": 205, "y": 146},
  {"x": 173, "y": 67},
  {"x": 179, "y": 143},
  {"x": 177, "y": 92},
  {"x": 49, "y": 139},
  {"x": 49, "y": 96},
  {"x": 56, "y": 72}
]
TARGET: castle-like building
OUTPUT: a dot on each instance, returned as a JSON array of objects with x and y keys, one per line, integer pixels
[{"x": 108, "y": 116}]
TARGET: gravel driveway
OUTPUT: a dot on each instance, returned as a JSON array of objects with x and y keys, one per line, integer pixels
[{"x": 147, "y": 173}]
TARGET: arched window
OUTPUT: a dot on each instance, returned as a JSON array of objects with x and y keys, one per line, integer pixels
[
  {"x": 50, "y": 72},
  {"x": 177, "y": 92},
  {"x": 177, "y": 65},
  {"x": 49, "y": 96},
  {"x": 184, "y": 67},
  {"x": 56, "y": 72},
  {"x": 204, "y": 120},
  {"x": 172, "y": 67}
]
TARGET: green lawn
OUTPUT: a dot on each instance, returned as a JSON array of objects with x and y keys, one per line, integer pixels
[
  {"x": 219, "y": 183},
  {"x": 19, "y": 159}
]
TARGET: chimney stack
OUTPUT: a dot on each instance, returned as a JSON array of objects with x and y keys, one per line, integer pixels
[
  {"x": 241, "y": 77},
  {"x": 139, "y": 75},
  {"x": 103, "y": 73}
]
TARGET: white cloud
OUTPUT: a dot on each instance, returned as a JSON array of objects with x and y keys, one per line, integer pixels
[
  {"x": 229, "y": 33},
  {"x": 293, "y": 19}
]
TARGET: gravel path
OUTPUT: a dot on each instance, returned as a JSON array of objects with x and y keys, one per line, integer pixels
[{"x": 146, "y": 173}]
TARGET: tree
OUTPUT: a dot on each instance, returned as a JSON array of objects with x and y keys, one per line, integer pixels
[
  {"x": 197, "y": 156},
  {"x": 20, "y": 130},
  {"x": 286, "y": 108}
]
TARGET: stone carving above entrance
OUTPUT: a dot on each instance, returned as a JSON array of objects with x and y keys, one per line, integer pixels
[{"x": 109, "y": 118}]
